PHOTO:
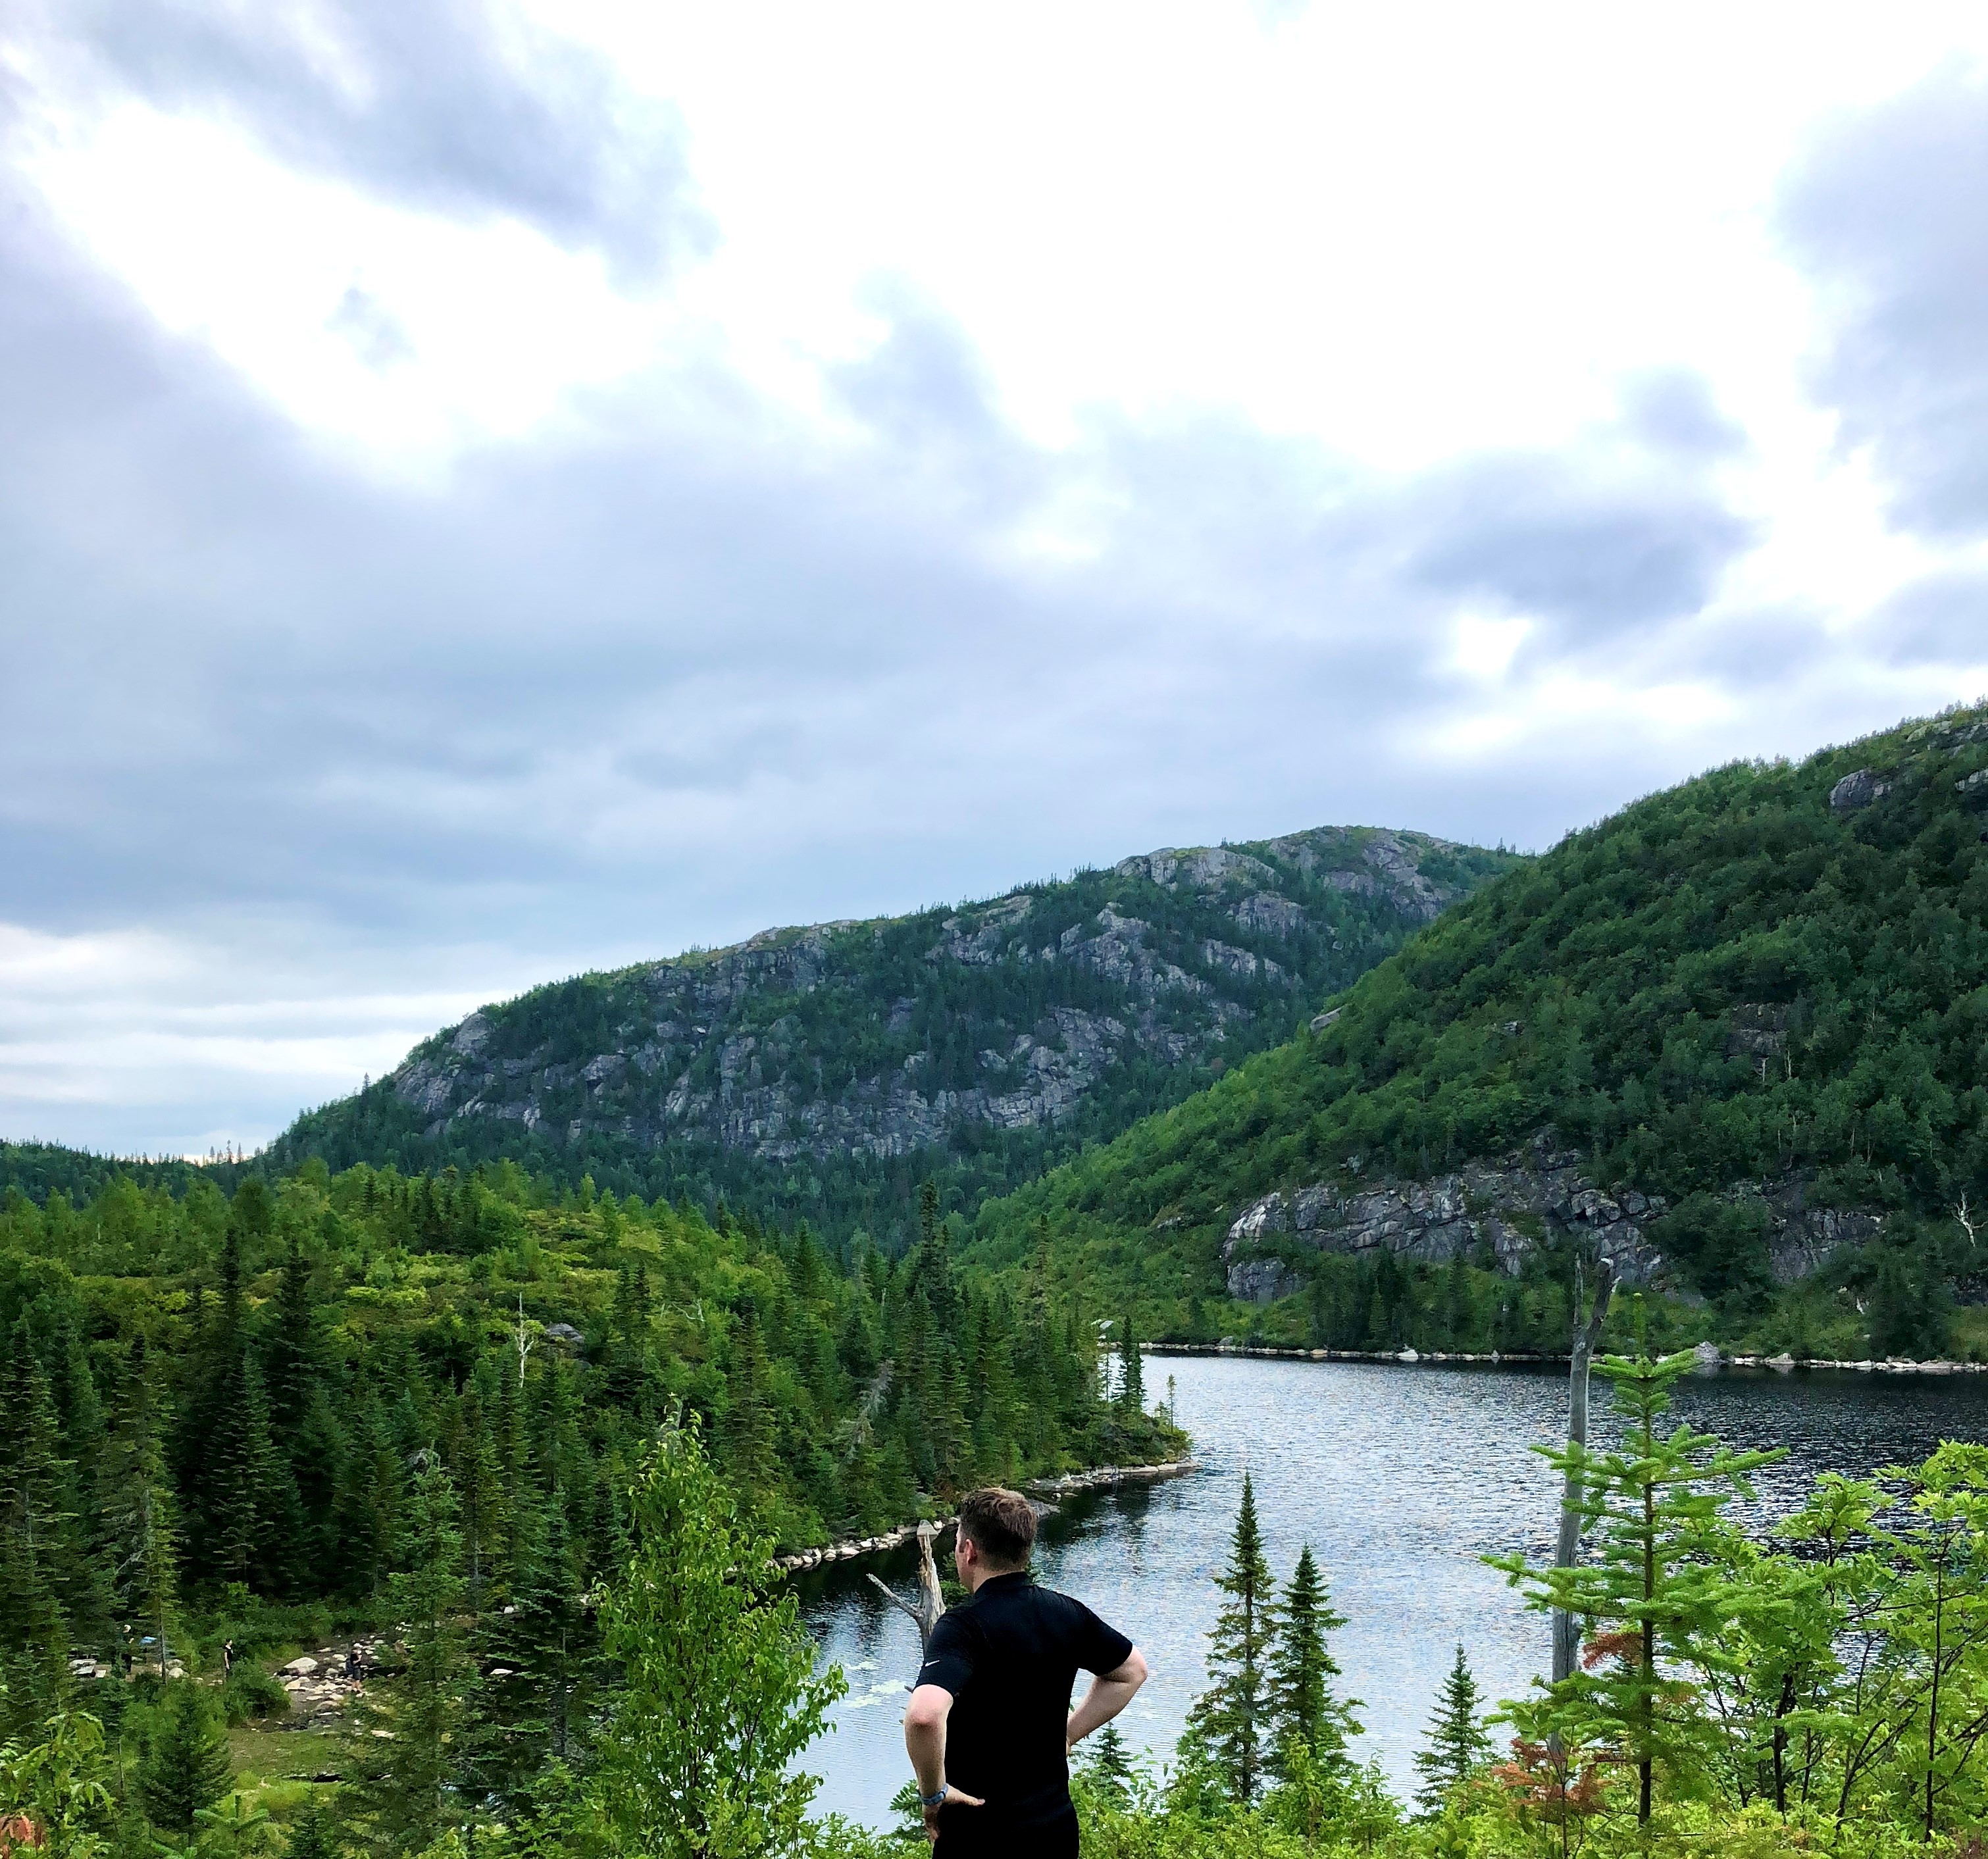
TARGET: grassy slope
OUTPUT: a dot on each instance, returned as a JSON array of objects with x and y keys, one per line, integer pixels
[{"x": 1621, "y": 956}]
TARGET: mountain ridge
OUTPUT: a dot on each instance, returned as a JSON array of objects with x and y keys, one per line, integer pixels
[
  {"x": 1758, "y": 1000},
  {"x": 833, "y": 1063}
]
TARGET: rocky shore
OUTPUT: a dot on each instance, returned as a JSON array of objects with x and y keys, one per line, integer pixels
[
  {"x": 1709, "y": 1354},
  {"x": 1101, "y": 1478}
]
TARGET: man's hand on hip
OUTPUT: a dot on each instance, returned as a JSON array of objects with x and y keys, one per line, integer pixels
[{"x": 954, "y": 1797}]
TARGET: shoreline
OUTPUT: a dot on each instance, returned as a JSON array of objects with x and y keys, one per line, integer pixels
[
  {"x": 1710, "y": 1356},
  {"x": 1063, "y": 1485}
]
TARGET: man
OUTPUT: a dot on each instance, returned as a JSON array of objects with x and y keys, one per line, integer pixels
[{"x": 989, "y": 1729}]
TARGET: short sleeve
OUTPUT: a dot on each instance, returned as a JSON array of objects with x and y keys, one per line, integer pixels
[
  {"x": 948, "y": 1655},
  {"x": 1100, "y": 1648}
]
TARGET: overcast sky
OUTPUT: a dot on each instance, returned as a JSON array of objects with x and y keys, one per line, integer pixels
[{"x": 486, "y": 493}]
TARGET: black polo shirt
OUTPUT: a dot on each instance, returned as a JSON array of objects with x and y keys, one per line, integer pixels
[{"x": 1009, "y": 1655}]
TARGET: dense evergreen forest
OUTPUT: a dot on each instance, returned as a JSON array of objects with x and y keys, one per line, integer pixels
[
  {"x": 824, "y": 1073},
  {"x": 250, "y": 1419},
  {"x": 1775, "y": 971}
]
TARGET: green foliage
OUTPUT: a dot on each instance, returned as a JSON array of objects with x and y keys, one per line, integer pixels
[
  {"x": 408, "y": 1794},
  {"x": 1726, "y": 983},
  {"x": 251, "y": 1692},
  {"x": 59, "y": 1781},
  {"x": 1231, "y": 1727},
  {"x": 186, "y": 1767},
  {"x": 1303, "y": 1714},
  {"x": 1109, "y": 1769},
  {"x": 322, "y": 1416},
  {"x": 718, "y": 1691},
  {"x": 1653, "y": 1602},
  {"x": 139, "y": 1513},
  {"x": 1457, "y": 1746}
]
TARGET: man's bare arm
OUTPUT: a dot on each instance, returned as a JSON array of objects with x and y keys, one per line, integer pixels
[
  {"x": 925, "y": 1735},
  {"x": 1110, "y": 1692},
  {"x": 925, "y": 1741}
]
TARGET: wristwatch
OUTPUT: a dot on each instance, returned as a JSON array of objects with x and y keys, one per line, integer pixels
[{"x": 933, "y": 1800}]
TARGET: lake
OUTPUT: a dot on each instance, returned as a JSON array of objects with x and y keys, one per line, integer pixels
[{"x": 1401, "y": 1477}]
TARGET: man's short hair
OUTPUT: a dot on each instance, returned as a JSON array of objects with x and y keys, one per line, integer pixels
[{"x": 1000, "y": 1524}]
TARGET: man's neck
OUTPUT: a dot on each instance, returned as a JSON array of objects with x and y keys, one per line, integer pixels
[{"x": 977, "y": 1579}]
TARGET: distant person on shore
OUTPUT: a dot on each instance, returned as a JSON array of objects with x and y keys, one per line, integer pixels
[{"x": 990, "y": 1727}]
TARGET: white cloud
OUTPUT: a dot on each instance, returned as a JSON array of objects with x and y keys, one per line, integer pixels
[{"x": 481, "y": 504}]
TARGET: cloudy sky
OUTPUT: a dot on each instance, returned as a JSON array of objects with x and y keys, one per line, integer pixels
[{"x": 492, "y": 491}]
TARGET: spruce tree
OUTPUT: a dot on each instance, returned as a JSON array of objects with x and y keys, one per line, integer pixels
[
  {"x": 141, "y": 1516},
  {"x": 370, "y": 1496},
  {"x": 255, "y": 1518},
  {"x": 292, "y": 1349},
  {"x": 1303, "y": 1711},
  {"x": 1458, "y": 1746},
  {"x": 39, "y": 1552},
  {"x": 406, "y": 1791},
  {"x": 748, "y": 1417},
  {"x": 481, "y": 1481},
  {"x": 539, "y": 1660},
  {"x": 1232, "y": 1719},
  {"x": 320, "y": 1453},
  {"x": 312, "y": 1837},
  {"x": 1108, "y": 1767},
  {"x": 1131, "y": 1372},
  {"x": 1648, "y": 1507},
  {"x": 187, "y": 1768}
]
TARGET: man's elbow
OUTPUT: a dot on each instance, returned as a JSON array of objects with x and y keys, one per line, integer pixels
[
  {"x": 926, "y": 1714},
  {"x": 1133, "y": 1672}
]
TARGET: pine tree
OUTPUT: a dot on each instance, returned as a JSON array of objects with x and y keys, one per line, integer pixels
[
  {"x": 1131, "y": 1372},
  {"x": 293, "y": 1349},
  {"x": 480, "y": 1480},
  {"x": 1647, "y": 1506},
  {"x": 748, "y": 1417},
  {"x": 539, "y": 1658},
  {"x": 141, "y": 1517},
  {"x": 1458, "y": 1745},
  {"x": 1303, "y": 1711},
  {"x": 311, "y": 1838},
  {"x": 38, "y": 1550},
  {"x": 186, "y": 1767},
  {"x": 411, "y": 1771},
  {"x": 1109, "y": 1769},
  {"x": 1231, "y": 1718},
  {"x": 254, "y": 1515}
]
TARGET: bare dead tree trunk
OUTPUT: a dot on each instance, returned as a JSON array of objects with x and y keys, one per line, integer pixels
[
  {"x": 930, "y": 1603},
  {"x": 1586, "y": 1333}
]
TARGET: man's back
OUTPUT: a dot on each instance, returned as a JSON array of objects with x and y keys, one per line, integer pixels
[{"x": 1010, "y": 1656}]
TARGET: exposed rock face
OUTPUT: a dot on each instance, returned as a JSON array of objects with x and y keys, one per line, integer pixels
[
  {"x": 1503, "y": 1209},
  {"x": 848, "y": 1038},
  {"x": 1854, "y": 791}
]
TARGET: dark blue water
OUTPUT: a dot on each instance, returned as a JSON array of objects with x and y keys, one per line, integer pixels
[{"x": 1401, "y": 1478}]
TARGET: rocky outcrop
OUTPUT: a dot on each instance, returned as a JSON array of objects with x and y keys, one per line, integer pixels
[
  {"x": 1500, "y": 1210},
  {"x": 1856, "y": 791},
  {"x": 845, "y": 1038}
]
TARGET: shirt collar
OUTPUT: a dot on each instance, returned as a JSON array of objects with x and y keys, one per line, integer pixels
[{"x": 1019, "y": 1578}]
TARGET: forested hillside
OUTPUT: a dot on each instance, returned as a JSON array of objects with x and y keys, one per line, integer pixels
[
  {"x": 255, "y": 1420},
  {"x": 824, "y": 1073},
  {"x": 1738, "y": 1031}
]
